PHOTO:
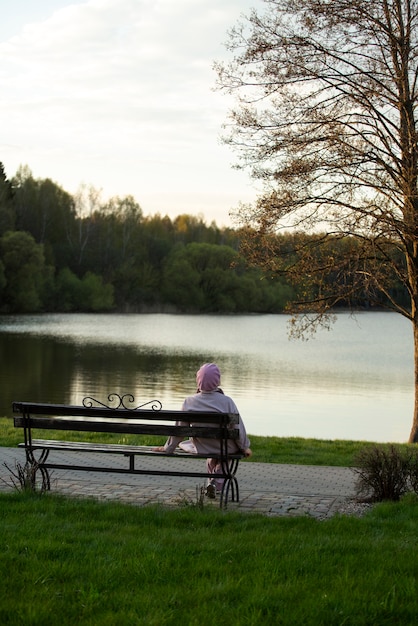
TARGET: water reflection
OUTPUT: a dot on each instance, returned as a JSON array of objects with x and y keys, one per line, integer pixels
[{"x": 355, "y": 382}]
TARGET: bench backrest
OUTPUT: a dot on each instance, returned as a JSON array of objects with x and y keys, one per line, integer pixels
[{"x": 204, "y": 424}]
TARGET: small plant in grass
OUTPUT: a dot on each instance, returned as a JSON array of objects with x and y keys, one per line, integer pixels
[
  {"x": 383, "y": 472},
  {"x": 23, "y": 477},
  {"x": 199, "y": 502}
]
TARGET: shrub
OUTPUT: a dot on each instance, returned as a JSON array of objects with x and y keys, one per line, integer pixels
[
  {"x": 384, "y": 472},
  {"x": 413, "y": 472}
]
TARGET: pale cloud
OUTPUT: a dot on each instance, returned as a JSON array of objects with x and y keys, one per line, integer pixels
[{"x": 119, "y": 94}]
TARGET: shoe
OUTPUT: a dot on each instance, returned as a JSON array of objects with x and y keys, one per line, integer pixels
[{"x": 211, "y": 491}]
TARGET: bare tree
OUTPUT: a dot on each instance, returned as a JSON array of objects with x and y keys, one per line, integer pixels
[
  {"x": 87, "y": 201},
  {"x": 326, "y": 118}
]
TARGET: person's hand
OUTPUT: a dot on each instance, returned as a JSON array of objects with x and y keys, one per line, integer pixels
[
  {"x": 247, "y": 453},
  {"x": 159, "y": 449}
]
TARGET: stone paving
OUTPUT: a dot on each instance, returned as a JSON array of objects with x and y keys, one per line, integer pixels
[{"x": 267, "y": 488}]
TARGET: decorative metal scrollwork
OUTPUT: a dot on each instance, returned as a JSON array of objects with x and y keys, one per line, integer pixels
[{"x": 123, "y": 402}]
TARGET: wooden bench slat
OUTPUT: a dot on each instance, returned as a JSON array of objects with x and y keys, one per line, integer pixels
[
  {"x": 57, "y": 423},
  {"x": 86, "y": 446},
  {"x": 64, "y": 410}
]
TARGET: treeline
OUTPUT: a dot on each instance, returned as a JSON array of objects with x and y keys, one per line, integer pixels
[
  {"x": 64, "y": 253},
  {"x": 60, "y": 252}
]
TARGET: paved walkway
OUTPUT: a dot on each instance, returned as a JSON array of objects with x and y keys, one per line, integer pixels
[{"x": 268, "y": 488}]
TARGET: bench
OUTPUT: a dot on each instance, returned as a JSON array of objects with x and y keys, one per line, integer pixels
[{"x": 146, "y": 419}]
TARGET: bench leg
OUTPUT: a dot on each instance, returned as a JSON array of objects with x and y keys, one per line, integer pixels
[
  {"x": 230, "y": 485},
  {"x": 37, "y": 465},
  {"x": 131, "y": 462}
]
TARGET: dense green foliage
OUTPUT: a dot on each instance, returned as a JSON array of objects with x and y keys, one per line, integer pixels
[
  {"x": 85, "y": 562},
  {"x": 74, "y": 253},
  {"x": 65, "y": 253}
]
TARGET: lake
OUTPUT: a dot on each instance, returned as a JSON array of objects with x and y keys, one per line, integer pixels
[{"x": 352, "y": 382}]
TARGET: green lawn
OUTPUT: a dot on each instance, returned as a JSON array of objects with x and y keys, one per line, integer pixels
[
  {"x": 68, "y": 561},
  {"x": 72, "y": 562}
]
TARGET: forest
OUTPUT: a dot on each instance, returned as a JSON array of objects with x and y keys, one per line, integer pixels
[{"x": 73, "y": 253}]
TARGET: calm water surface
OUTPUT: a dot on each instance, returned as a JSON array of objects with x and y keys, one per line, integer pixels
[{"x": 354, "y": 382}]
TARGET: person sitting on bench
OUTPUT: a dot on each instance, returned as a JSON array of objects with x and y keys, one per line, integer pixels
[{"x": 210, "y": 397}]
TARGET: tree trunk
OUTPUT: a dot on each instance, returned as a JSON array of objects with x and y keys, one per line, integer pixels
[{"x": 413, "y": 437}]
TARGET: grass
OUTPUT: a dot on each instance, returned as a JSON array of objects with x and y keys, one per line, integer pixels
[
  {"x": 85, "y": 562},
  {"x": 90, "y": 563},
  {"x": 294, "y": 450},
  {"x": 300, "y": 451}
]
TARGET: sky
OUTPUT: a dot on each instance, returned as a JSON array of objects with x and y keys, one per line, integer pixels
[{"x": 119, "y": 95}]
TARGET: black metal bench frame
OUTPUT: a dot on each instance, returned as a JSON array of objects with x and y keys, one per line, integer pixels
[{"x": 94, "y": 416}]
